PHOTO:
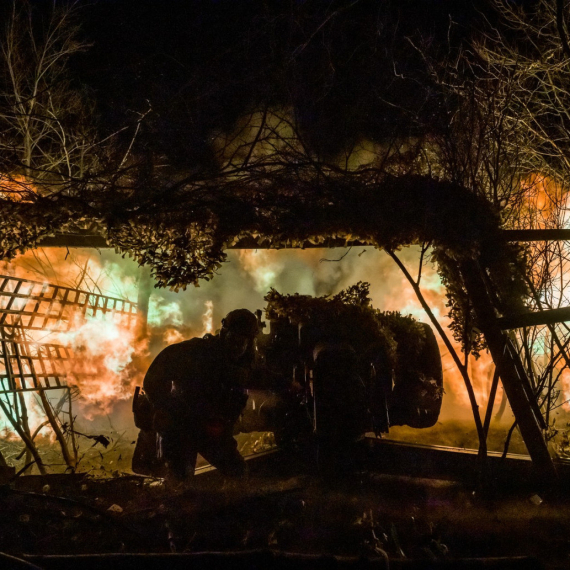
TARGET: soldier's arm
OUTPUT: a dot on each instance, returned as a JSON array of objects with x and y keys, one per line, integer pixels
[{"x": 158, "y": 381}]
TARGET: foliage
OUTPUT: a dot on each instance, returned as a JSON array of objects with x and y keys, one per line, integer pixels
[
  {"x": 182, "y": 236},
  {"x": 393, "y": 342},
  {"x": 351, "y": 318},
  {"x": 267, "y": 183}
]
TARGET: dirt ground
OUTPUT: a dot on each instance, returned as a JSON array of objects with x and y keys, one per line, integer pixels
[
  {"x": 284, "y": 506},
  {"x": 115, "y": 459}
]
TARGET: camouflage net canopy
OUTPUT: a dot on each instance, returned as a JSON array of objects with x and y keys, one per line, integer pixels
[
  {"x": 394, "y": 342},
  {"x": 181, "y": 232},
  {"x": 352, "y": 319},
  {"x": 346, "y": 317}
]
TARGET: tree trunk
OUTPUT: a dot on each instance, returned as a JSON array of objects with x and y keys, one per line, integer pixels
[
  {"x": 520, "y": 404},
  {"x": 69, "y": 460},
  {"x": 145, "y": 287}
]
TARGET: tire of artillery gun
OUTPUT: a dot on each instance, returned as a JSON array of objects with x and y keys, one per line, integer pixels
[{"x": 416, "y": 398}]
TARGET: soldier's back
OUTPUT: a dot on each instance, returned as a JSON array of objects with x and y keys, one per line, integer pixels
[{"x": 186, "y": 367}]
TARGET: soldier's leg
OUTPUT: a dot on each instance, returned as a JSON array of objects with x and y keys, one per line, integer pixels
[
  {"x": 222, "y": 453},
  {"x": 146, "y": 460},
  {"x": 179, "y": 450}
]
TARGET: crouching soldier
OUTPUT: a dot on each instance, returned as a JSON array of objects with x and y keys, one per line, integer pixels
[{"x": 196, "y": 392}]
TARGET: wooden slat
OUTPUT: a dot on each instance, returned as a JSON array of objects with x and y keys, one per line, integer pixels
[
  {"x": 56, "y": 316},
  {"x": 32, "y": 390},
  {"x": 38, "y": 300},
  {"x": 537, "y": 235},
  {"x": 99, "y": 242},
  {"x": 47, "y": 363},
  {"x": 7, "y": 364},
  {"x": 57, "y": 287},
  {"x": 533, "y": 319}
]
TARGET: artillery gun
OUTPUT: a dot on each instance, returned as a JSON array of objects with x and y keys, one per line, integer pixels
[
  {"x": 338, "y": 372},
  {"x": 331, "y": 369}
]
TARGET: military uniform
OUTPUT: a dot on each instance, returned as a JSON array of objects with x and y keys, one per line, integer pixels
[{"x": 197, "y": 396}]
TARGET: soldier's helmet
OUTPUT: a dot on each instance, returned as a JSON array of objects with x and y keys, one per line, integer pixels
[{"x": 241, "y": 322}]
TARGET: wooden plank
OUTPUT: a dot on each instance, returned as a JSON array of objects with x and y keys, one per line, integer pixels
[
  {"x": 98, "y": 242},
  {"x": 48, "y": 313},
  {"x": 7, "y": 364},
  {"x": 508, "y": 371},
  {"x": 75, "y": 240},
  {"x": 41, "y": 297},
  {"x": 31, "y": 390},
  {"x": 26, "y": 355},
  {"x": 7, "y": 310},
  {"x": 20, "y": 363},
  {"x": 537, "y": 235},
  {"x": 39, "y": 300},
  {"x": 533, "y": 319}
]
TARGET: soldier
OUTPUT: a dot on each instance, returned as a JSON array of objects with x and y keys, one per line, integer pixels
[{"x": 196, "y": 390}]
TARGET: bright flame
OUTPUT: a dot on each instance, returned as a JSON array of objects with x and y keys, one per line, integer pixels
[
  {"x": 208, "y": 318},
  {"x": 544, "y": 203},
  {"x": 35, "y": 413},
  {"x": 102, "y": 352}
]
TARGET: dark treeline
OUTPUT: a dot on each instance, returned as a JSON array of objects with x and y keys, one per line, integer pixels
[{"x": 347, "y": 69}]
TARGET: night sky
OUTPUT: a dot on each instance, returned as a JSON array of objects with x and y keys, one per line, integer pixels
[{"x": 200, "y": 65}]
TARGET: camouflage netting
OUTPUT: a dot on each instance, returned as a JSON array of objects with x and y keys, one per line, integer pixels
[
  {"x": 389, "y": 339},
  {"x": 349, "y": 314},
  {"x": 353, "y": 319},
  {"x": 182, "y": 233}
]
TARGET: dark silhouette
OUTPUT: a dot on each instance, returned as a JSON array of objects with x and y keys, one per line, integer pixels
[{"x": 196, "y": 392}]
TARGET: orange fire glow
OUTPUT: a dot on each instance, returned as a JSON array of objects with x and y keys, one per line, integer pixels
[
  {"x": 456, "y": 402},
  {"x": 172, "y": 336},
  {"x": 103, "y": 349},
  {"x": 544, "y": 201},
  {"x": 110, "y": 358},
  {"x": 16, "y": 188}
]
